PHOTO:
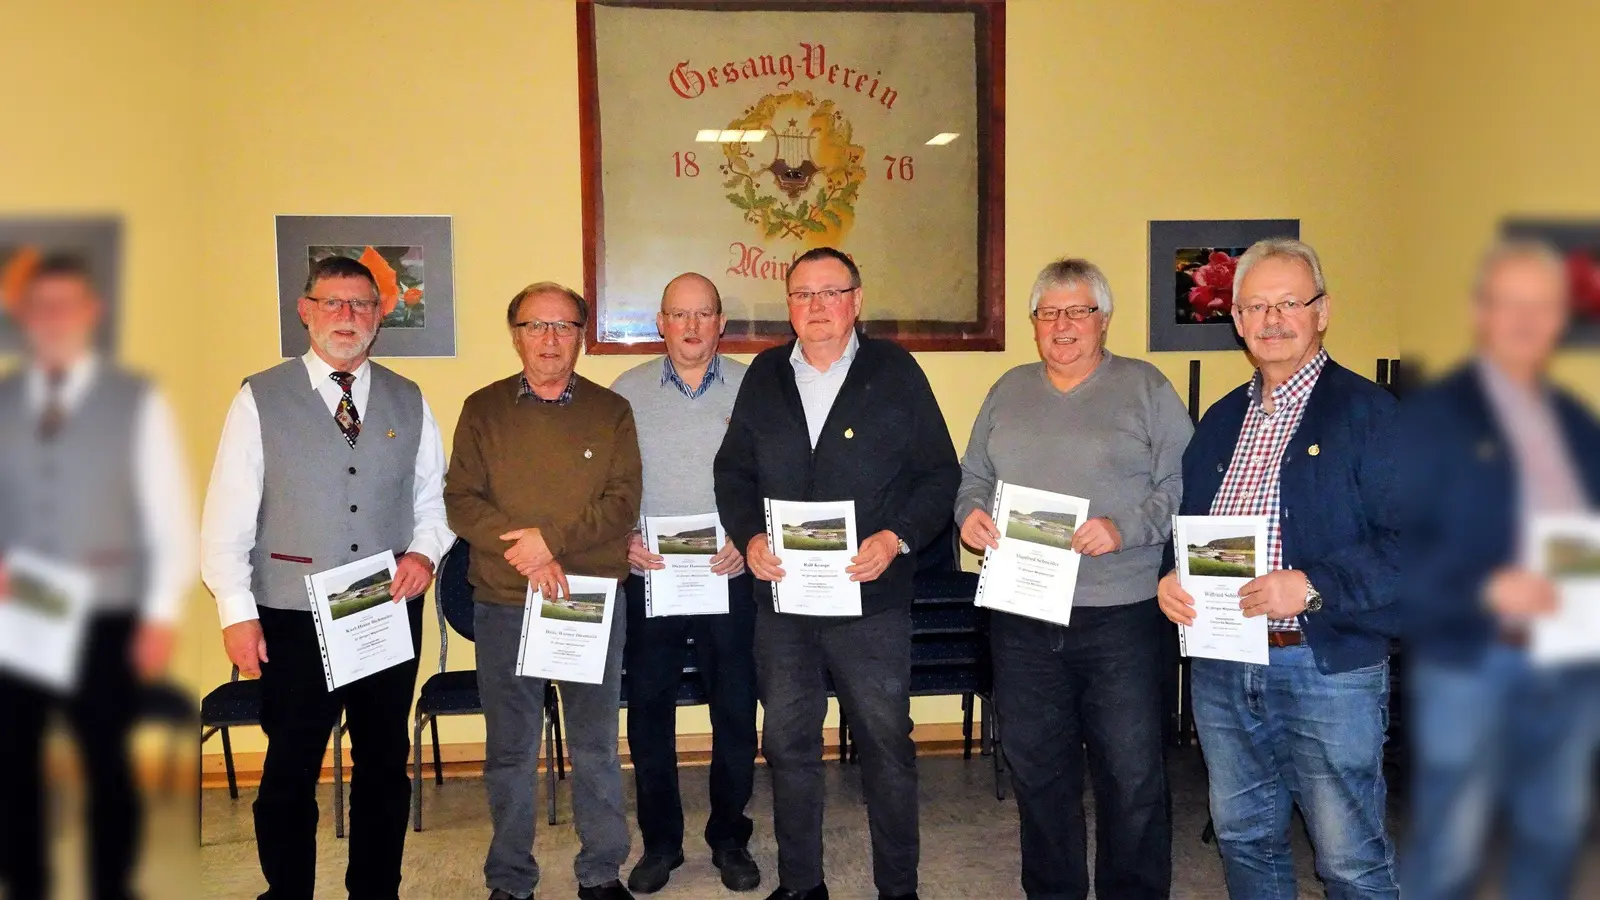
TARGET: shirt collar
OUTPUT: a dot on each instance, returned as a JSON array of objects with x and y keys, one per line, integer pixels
[
  {"x": 524, "y": 389},
  {"x": 74, "y": 382},
  {"x": 797, "y": 356},
  {"x": 319, "y": 370},
  {"x": 669, "y": 375},
  {"x": 1298, "y": 385},
  {"x": 1502, "y": 389}
]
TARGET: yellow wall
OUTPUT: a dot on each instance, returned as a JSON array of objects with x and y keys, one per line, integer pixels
[{"x": 1117, "y": 113}]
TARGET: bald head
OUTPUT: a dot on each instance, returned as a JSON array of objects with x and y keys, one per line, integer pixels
[
  {"x": 691, "y": 321},
  {"x": 693, "y": 288}
]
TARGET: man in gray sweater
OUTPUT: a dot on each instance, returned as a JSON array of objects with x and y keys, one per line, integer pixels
[
  {"x": 1112, "y": 430},
  {"x": 681, "y": 404}
]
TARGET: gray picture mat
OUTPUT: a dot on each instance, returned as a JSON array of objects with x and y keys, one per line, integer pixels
[
  {"x": 1167, "y": 237},
  {"x": 96, "y": 240},
  {"x": 296, "y": 234},
  {"x": 1566, "y": 235}
]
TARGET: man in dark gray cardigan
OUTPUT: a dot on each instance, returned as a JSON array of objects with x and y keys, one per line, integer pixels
[{"x": 837, "y": 416}]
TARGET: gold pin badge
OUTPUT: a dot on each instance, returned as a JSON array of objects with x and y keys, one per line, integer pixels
[
  {"x": 1316, "y": 450},
  {"x": 588, "y": 454},
  {"x": 391, "y": 432},
  {"x": 849, "y": 433}
]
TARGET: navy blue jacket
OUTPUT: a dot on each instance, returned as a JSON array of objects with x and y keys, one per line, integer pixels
[
  {"x": 1337, "y": 511},
  {"x": 1463, "y": 507}
]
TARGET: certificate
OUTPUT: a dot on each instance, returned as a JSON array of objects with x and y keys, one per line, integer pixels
[
  {"x": 816, "y": 542},
  {"x": 1034, "y": 571},
  {"x": 42, "y": 620},
  {"x": 567, "y": 638},
  {"x": 361, "y": 627},
  {"x": 1218, "y": 555},
  {"x": 687, "y": 586},
  {"x": 1567, "y": 550}
]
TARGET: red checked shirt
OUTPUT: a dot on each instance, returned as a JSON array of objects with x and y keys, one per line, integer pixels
[{"x": 1251, "y": 486}]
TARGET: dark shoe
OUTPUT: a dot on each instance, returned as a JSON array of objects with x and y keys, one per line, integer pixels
[
  {"x": 820, "y": 892},
  {"x": 611, "y": 890},
  {"x": 653, "y": 871},
  {"x": 739, "y": 869},
  {"x": 910, "y": 896},
  {"x": 498, "y": 894}
]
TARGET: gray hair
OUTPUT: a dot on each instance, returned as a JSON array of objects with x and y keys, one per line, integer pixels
[
  {"x": 548, "y": 287},
  {"x": 1518, "y": 249},
  {"x": 1278, "y": 248},
  {"x": 1073, "y": 272}
]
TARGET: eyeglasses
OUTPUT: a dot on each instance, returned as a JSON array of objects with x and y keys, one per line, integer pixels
[
  {"x": 332, "y": 306},
  {"x": 684, "y": 316},
  {"x": 1052, "y": 313},
  {"x": 828, "y": 296},
  {"x": 1286, "y": 307},
  {"x": 538, "y": 328}
]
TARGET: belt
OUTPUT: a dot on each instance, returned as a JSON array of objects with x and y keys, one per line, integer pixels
[{"x": 1285, "y": 638}]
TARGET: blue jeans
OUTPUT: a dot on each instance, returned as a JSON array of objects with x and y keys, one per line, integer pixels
[
  {"x": 1501, "y": 732},
  {"x": 1286, "y": 734}
]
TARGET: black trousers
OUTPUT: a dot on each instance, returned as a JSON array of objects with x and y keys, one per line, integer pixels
[
  {"x": 653, "y": 665},
  {"x": 298, "y": 714},
  {"x": 100, "y": 715},
  {"x": 1090, "y": 692},
  {"x": 870, "y": 662}
]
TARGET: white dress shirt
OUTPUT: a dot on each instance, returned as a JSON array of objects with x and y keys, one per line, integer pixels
[
  {"x": 233, "y": 501},
  {"x": 160, "y": 482},
  {"x": 818, "y": 389}
]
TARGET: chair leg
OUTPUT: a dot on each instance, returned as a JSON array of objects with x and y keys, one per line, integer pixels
[
  {"x": 338, "y": 780},
  {"x": 416, "y": 774},
  {"x": 561, "y": 744},
  {"x": 844, "y": 728},
  {"x": 549, "y": 773},
  {"x": 1209, "y": 833},
  {"x": 966, "y": 726},
  {"x": 227, "y": 762},
  {"x": 438, "y": 766}
]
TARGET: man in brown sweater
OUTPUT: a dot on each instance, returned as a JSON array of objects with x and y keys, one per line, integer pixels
[{"x": 544, "y": 480}]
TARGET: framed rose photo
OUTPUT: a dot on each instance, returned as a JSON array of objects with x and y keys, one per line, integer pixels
[
  {"x": 1192, "y": 264},
  {"x": 1578, "y": 241}
]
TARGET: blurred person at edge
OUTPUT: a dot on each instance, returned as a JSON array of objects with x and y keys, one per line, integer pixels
[
  {"x": 1491, "y": 445},
  {"x": 91, "y": 474}
]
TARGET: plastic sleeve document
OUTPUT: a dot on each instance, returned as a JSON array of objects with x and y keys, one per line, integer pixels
[
  {"x": 1567, "y": 550},
  {"x": 1034, "y": 571},
  {"x": 815, "y": 542},
  {"x": 43, "y": 620},
  {"x": 567, "y": 638},
  {"x": 687, "y": 586},
  {"x": 361, "y": 627},
  {"x": 1218, "y": 555}
]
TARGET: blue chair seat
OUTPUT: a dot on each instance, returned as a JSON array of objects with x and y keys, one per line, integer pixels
[
  {"x": 450, "y": 693},
  {"x": 934, "y": 586},
  {"x": 234, "y": 703}
]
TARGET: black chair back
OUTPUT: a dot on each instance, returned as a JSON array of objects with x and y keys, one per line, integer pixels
[{"x": 453, "y": 592}]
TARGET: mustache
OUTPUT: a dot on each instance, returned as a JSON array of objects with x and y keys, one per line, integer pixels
[{"x": 1275, "y": 331}]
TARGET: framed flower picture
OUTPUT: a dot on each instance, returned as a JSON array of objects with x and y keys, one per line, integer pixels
[
  {"x": 1578, "y": 240},
  {"x": 410, "y": 258},
  {"x": 1192, "y": 264},
  {"x": 94, "y": 241}
]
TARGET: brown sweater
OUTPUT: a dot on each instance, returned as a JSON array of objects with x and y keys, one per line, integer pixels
[{"x": 571, "y": 471}]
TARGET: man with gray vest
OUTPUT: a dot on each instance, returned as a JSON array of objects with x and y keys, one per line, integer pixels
[
  {"x": 681, "y": 405},
  {"x": 91, "y": 476},
  {"x": 324, "y": 460}
]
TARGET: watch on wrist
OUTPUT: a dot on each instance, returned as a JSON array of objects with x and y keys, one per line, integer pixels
[
  {"x": 905, "y": 548},
  {"x": 1313, "y": 598}
]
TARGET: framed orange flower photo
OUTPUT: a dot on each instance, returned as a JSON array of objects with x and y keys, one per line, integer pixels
[
  {"x": 93, "y": 241},
  {"x": 410, "y": 258}
]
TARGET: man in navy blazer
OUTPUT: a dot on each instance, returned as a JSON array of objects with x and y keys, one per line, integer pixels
[
  {"x": 1490, "y": 446},
  {"x": 1310, "y": 445}
]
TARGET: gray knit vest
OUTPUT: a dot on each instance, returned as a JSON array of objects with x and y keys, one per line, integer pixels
[
  {"x": 323, "y": 503},
  {"x": 75, "y": 498}
]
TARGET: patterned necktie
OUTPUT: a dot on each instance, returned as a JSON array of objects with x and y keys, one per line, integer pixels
[
  {"x": 54, "y": 414},
  {"x": 346, "y": 416}
]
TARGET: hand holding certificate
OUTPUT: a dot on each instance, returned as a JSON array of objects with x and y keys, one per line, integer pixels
[
  {"x": 1566, "y": 549},
  {"x": 566, "y": 638},
  {"x": 361, "y": 627},
  {"x": 686, "y": 586},
  {"x": 815, "y": 542},
  {"x": 43, "y": 614},
  {"x": 1034, "y": 570},
  {"x": 1218, "y": 555}
]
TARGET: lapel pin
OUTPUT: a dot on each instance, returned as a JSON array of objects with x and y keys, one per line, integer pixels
[
  {"x": 849, "y": 433},
  {"x": 588, "y": 454},
  {"x": 1316, "y": 450},
  {"x": 391, "y": 432}
]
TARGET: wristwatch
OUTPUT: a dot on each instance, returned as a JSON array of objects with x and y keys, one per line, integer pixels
[
  {"x": 1313, "y": 598},
  {"x": 905, "y": 548}
]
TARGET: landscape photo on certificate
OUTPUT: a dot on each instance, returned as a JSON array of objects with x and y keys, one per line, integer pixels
[
  {"x": 590, "y": 608},
  {"x": 1036, "y": 522},
  {"x": 34, "y": 594},
  {"x": 816, "y": 534},
  {"x": 1225, "y": 556},
  {"x": 695, "y": 542},
  {"x": 365, "y": 593},
  {"x": 1570, "y": 556}
]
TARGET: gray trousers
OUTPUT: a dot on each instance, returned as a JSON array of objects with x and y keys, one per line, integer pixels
[
  {"x": 513, "y": 712},
  {"x": 870, "y": 661}
]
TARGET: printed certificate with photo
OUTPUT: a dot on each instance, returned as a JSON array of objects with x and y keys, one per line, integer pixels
[
  {"x": 815, "y": 542},
  {"x": 361, "y": 626},
  {"x": 1034, "y": 571},
  {"x": 687, "y": 586},
  {"x": 567, "y": 638},
  {"x": 1567, "y": 550},
  {"x": 43, "y": 620},
  {"x": 1218, "y": 555}
]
